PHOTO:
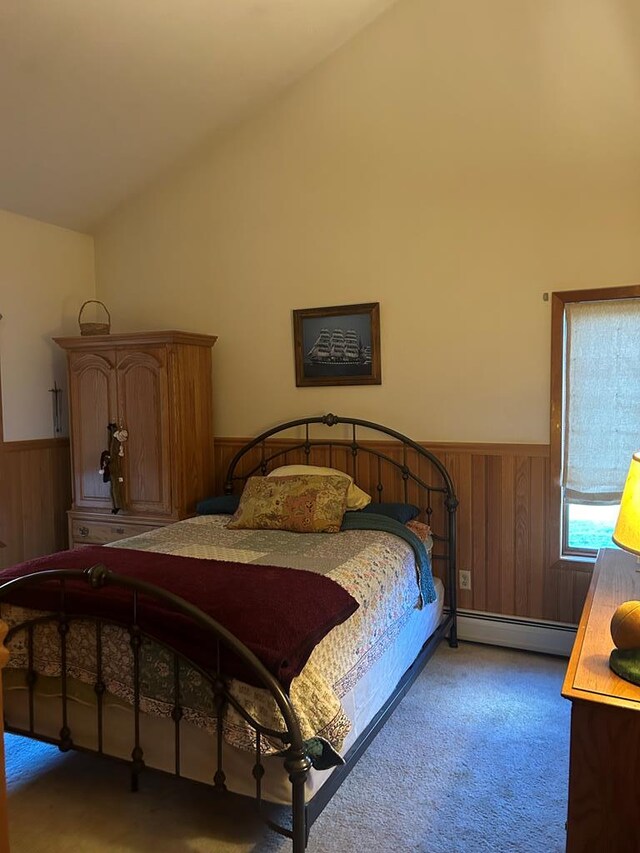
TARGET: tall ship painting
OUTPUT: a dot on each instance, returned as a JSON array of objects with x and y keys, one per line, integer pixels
[{"x": 338, "y": 347}]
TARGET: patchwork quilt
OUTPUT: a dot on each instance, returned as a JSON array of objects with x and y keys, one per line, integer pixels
[{"x": 377, "y": 568}]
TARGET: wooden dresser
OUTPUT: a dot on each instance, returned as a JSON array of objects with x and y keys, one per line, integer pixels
[
  {"x": 604, "y": 773},
  {"x": 158, "y": 387}
]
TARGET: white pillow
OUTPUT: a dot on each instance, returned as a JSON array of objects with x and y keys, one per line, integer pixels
[{"x": 356, "y": 498}]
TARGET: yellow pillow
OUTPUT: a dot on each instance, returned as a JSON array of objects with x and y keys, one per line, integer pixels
[
  {"x": 356, "y": 498},
  {"x": 302, "y": 504}
]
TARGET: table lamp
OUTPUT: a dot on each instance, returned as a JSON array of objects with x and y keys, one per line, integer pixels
[
  {"x": 625, "y": 624},
  {"x": 627, "y": 532}
]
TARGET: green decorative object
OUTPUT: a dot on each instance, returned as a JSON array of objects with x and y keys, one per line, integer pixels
[{"x": 626, "y": 664}]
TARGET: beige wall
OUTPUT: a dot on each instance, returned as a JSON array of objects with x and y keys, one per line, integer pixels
[
  {"x": 453, "y": 162},
  {"x": 45, "y": 275}
]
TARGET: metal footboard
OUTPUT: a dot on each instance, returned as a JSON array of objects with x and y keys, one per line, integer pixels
[{"x": 296, "y": 761}]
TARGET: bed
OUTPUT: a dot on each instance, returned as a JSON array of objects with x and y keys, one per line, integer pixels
[{"x": 257, "y": 659}]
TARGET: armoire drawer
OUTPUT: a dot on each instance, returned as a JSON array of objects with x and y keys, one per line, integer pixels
[{"x": 87, "y": 532}]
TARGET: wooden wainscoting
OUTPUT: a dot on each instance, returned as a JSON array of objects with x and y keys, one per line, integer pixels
[
  {"x": 503, "y": 521},
  {"x": 35, "y": 494},
  {"x": 503, "y": 524}
]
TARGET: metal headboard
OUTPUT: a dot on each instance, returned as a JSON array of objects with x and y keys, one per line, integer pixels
[{"x": 270, "y": 454}]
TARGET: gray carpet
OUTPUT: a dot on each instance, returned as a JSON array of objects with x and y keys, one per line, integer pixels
[{"x": 475, "y": 758}]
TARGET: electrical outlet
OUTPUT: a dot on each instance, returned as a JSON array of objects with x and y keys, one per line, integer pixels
[{"x": 465, "y": 579}]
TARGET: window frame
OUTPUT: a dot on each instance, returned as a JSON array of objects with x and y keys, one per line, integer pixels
[{"x": 557, "y": 509}]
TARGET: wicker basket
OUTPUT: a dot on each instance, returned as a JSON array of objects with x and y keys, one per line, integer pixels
[{"x": 94, "y": 328}]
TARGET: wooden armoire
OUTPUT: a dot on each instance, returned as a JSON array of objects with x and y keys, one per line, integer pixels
[{"x": 153, "y": 389}]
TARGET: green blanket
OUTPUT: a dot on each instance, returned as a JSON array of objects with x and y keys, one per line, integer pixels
[{"x": 372, "y": 521}]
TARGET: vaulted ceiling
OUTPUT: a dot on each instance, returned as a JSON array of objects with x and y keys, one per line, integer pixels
[{"x": 98, "y": 97}]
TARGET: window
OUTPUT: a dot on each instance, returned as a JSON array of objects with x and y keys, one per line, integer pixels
[{"x": 595, "y": 414}]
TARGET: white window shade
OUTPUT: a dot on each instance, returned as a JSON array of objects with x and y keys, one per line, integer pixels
[{"x": 602, "y": 398}]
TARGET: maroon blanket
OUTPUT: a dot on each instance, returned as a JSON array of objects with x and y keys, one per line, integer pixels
[{"x": 280, "y": 614}]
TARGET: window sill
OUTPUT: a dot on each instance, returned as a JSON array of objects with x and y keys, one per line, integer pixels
[{"x": 576, "y": 564}]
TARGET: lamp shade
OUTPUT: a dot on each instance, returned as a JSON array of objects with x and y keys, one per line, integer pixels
[{"x": 627, "y": 532}]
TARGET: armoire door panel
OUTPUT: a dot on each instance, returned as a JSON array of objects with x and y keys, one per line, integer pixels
[
  {"x": 143, "y": 410},
  {"x": 93, "y": 407}
]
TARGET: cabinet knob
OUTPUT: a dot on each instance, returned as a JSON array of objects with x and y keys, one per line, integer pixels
[
  {"x": 83, "y": 531},
  {"x": 120, "y": 530}
]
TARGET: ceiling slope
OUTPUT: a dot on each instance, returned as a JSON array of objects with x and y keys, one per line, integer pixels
[{"x": 98, "y": 98}]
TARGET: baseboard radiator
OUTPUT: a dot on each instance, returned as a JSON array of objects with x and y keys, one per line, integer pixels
[{"x": 515, "y": 632}]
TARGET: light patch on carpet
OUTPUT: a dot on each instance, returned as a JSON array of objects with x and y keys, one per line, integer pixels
[{"x": 474, "y": 759}]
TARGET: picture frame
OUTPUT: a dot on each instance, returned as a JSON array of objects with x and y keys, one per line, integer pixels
[{"x": 337, "y": 345}]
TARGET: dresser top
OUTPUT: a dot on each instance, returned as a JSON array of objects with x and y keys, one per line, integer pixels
[
  {"x": 171, "y": 336},
  {"x": 616, "y": 578}
]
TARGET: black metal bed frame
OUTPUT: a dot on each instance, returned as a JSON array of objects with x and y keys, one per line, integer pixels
[{"x": 296, "y": 761}]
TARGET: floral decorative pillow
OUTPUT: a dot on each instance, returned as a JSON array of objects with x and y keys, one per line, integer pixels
[{"x": 303, "y": 504}]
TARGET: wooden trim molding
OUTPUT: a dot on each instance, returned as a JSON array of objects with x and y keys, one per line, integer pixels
[
  {"x": 559, "y": 301},
  {"x": 135, "y": 339},
  {"x": 491, "y": 449},
  {"x": 473, "y": 448},
  {"x": 555, "y": 432},
  {"x": 34, "y": 444},
  {"x": 598, "y": 294}
]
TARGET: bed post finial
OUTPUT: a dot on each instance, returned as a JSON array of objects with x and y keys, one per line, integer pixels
[
  {"x": 297, "y": 764},
  {"x": 4, "y": 824},
  {"x": 97, "y": 575}
]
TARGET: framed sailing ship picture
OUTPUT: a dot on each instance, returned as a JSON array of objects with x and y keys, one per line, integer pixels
[{"x": 339, "y": 345}]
